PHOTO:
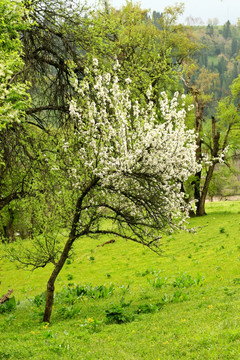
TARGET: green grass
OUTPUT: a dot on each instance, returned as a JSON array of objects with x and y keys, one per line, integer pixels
[{"x": 203, "y": 322}]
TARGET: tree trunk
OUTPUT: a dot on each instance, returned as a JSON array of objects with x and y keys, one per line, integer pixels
[
  {"x": 196, "y": 183},
  {"x": 53, "y": 277},
  {"x": 8, "y": 230},
  {"x": 201, "y": 204}
]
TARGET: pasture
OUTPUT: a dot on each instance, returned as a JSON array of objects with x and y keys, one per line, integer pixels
[{"x": 122, "y": 301}]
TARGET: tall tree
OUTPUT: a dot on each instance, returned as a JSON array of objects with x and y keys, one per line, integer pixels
[
  {"x": 60, "y": 40},
  {"x": 63, "y": 37},
  {"x": 13, "y": 103},
  {"x": 199, "y": 88},
  {"x": 227, "y": 30},
  {"x": 150, "y": 50},
  {"x": 214, "y": 135}
]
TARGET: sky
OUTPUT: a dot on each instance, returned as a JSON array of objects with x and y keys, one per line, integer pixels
[{"x": 223, "y": 10}]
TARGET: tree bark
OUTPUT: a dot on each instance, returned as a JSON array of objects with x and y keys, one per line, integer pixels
[{"x": 201, "y": 204}]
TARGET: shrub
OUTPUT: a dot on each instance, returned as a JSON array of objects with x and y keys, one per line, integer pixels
[
  {"x": 146, "y": 308},
  {"x": 40, "y": 299},
  {"x": 8, "y": 305},
  {"x": 119, "y": 314}
]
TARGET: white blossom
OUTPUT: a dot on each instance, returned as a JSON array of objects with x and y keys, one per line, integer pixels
[
  {"x": 95, "y": 62},
  {"x": 128, "y": 81},
  {"x": 126, "y": 147}
]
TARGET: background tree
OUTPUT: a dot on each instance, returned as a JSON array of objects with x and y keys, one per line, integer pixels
[
  {"x": 13, "y": 103},
  {"x": 150, "y": 49},
  {"x": 61, "y": 38},
  {"x": 12, "y": 90},
  {"x": 213, "y": 135}
]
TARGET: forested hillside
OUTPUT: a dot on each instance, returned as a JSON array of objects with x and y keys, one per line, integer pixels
[{"x": 221, "y": 45}]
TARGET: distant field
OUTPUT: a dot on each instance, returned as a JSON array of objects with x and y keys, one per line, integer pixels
[{"x": 181, "y": 305}]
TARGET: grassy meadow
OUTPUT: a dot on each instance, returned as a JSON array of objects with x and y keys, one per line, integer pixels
[{"x": 121, "y": 301}]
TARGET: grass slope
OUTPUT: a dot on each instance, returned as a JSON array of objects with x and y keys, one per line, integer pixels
[{"x": 179, "y": 319}]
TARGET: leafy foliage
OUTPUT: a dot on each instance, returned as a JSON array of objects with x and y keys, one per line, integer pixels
[
  {"x": 13, "y": 95},
  {"x": 158, "y": 282},
  {"x": 119, "y": 314},
  {"x": 8, "y": 306},
  {"x": 147, "y": 308},
  {"x": 185, "y": 281}
]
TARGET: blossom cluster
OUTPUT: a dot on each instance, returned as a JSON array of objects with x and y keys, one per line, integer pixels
[{"x": 140, "y": 161}]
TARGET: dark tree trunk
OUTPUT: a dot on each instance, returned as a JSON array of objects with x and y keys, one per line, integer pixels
[
  {"x": 197, "y": 190},
  {"x": 8, "y": 230},
  {"x": 201, "y": 204}
]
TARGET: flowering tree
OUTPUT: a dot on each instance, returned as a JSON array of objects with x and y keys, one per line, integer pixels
[{"x": 117, "y": 163}]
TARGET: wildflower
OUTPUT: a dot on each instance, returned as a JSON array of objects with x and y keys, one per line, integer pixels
[{"x": 90, "y": 320}]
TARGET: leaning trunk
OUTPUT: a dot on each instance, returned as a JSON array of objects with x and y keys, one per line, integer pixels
[
  {"x": 49, "y": 300},
  {"x": 53, "y": 277}
]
